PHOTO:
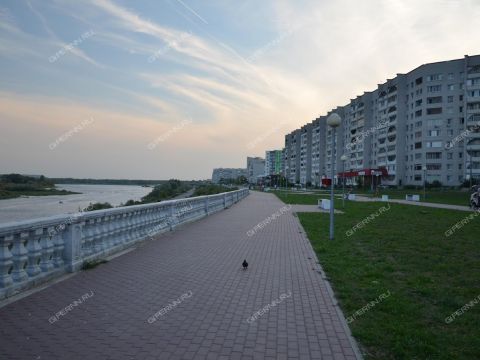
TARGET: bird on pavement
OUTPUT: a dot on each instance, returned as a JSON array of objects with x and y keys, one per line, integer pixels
[{"x": 245, "y": 264}]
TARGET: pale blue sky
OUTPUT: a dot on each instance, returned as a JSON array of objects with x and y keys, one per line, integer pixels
[{"x": 200, "y": 80}]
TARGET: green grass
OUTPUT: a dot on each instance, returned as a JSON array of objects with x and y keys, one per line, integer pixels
[
  {"x": 451, "y": 197},
  {"x": 404, "y": 251},
  {"x": 89, "y": 265}
]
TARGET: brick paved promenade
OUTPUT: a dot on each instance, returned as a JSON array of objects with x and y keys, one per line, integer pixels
[{"x": 125, "y": 314}]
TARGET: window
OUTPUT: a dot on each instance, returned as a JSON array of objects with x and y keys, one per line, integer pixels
[
  {"x": 418, "y": 166},
  {"x": 450, "y": 99},
  {"x": 434, "y": 155},
  {"x": 451, "y": 87},
  {"x": 473, "y": 106},
  {"x": 419, "y": 81},
  {"x": 434, "y": 100},
  {"x": 474, "y": 81},
  {"x": 418, "y": 134},
  {"x": 434, "y": 111},
  {"x": 418, "y": 145},
  {"x": 434, "y": 133},
  {"x": 473, "y": 93},
  {"x": 460, "y": 155},
  {"x": 418, "y": 102},
  {"x": 434, "y": 88},
  {"x": 435, "y": 77},
  {"x": 450, "y": 76},
  {"x": 418, "y": 124},
  {"x": 418, "y": 156},
  {"x": 418, "y": 178},
  {"x": 449, "y": 178},
  {"x": 434, "y": 122},
  {"x": 434, "y": 144},
  {"x": 434, "y": 166},
  {"x": 460, "y": 166},
  {"x": 450, "y": 132},
  {"x": 449, "y": 166},
  {"x": 418, "y": 113}
]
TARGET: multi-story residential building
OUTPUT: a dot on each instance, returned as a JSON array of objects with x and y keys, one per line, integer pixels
[
  {"x": 292, "y": 156},
  {"x": 305, "y": 154},
  {"x": 357, "y": 133},
  {"x": 227, "y": 174},
  {"x": 420, "y": 126},
  {"x": 274, "y": 162},
  {"x": 441, "y": 128},
  {"x": 255, "y": 169},
  {"x": 318, "y": 150},
  {"x": 472, "y": 116}
]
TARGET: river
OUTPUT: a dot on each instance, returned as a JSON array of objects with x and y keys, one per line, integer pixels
[{"x": 41, "y": 206}]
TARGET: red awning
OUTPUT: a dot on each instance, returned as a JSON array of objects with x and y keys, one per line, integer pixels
[{"x": 363, "y": 172}]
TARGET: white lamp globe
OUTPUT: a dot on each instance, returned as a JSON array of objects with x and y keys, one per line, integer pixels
[{"x": 334, "y": 120}]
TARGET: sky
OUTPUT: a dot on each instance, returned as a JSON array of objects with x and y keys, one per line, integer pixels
[{"x": 158, "y": 89}]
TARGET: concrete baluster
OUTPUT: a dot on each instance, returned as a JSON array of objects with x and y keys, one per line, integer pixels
[{"x": 6, "y": 263}]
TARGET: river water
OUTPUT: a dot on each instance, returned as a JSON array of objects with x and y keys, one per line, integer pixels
[{"x": 41, "y": 206}]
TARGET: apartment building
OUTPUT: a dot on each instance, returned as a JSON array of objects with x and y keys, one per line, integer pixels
[
  {"x": 255, "y": 169},
  {"x": 422, "y": 125},
  {"x": 227, "y": 174},
  {"x": 292, "y": 157},
  {"x": 274, "y": 162},
  {"x": 305, "y": 154},
  {"x": 318, "y": 150}
]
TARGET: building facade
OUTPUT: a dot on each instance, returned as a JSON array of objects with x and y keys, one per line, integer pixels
[
  {"x": 255, "y": 169},
  {"x": 274, "y": 162},
  {"x": 292, "y": 157},
  {"x": 227, "y": 174},
  {"x": 420, "y": 126}
]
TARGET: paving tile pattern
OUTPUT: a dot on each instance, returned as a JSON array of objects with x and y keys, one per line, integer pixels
[{"x": 204, "y": 260}]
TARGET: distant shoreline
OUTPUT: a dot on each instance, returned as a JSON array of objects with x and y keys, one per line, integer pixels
[{"x": 5, "y": 195}]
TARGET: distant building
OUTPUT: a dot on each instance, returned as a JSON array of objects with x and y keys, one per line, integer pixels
[
  {"x": 274, "y": 162},
  {"x": 227, "y": 174},
  {"x": 255, "y": 169}
]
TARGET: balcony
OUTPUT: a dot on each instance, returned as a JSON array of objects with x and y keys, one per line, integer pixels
[{"x": 392, "y": 129}]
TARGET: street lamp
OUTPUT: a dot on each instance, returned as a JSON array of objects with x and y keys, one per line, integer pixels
[
  {"x": 424, "y": 182},
  {"x": 470, "y": 154},
  {"x": 334, "y": 120},
  {"x": 343, "y": 158}
]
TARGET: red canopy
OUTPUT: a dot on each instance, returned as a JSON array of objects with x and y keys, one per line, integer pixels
[{"x": 363, "y": 172}]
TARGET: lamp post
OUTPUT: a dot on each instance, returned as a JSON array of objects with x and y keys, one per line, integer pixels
[
  {"x": 334, "y": 120},
  {"x": 470, "y": 154},
  {"x": 343, "y": 158},
  {"x": 424, "y": 182}
]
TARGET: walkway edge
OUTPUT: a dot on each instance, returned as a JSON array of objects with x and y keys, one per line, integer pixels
[{"x": 331, "y": 293}]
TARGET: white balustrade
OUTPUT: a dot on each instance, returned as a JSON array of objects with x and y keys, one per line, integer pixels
[{"x": 32, "y": 252}]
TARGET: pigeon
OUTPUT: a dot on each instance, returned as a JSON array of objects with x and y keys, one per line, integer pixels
[{"x": 245, "y": 264}]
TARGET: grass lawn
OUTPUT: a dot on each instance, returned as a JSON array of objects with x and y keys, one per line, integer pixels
[
  {"x": 404, "y": 253},
  {"x": 433, "y": 196},
  {"x": 451, "y": 197}
]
